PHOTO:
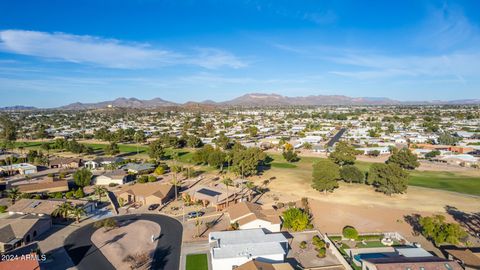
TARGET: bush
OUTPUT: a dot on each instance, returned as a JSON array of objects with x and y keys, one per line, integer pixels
[
  {"x": 108, "y": 224},
  {"x": 142, "y": 179},
  {"x": 280, "y": 205},
  {"x": 160, "y": 170},
  {"x": 69, "y": 195},
  {"x": 318, "y": 242},
  {"x": 322, "y": 252},
  {"x": 152, "y": 178},
  {"x": 350, "y": 232},
  {"x": 303, "y": 245},
  {"x": 296, "y": 220},
  {"x": 112, "y": 184},
  {"x": 79, "y": 193},
  {"x": 3, "y": 208}
]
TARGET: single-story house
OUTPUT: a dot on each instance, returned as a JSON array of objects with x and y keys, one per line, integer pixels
[
  {"x": 467, "y": 258},
  {"x": 101, "y": 162},
  {"x": 46, "y": 207},
  {"x": 462, "y": 159},
  {"x": 383, "y": 150},
  {"x": 46, "y": 185},
  {"x": 216, "y": 195},
  {"x": 18, "y": 230},
  {"x": 65, "y": 163},
  {"x": 402, "y": 263},
  {"x": 137, "y": 168},
  {"x": 145, "y": 194},
  {"x": 251, "y": 216},
  {"x": 230, "y": 249},
  {"x": 118, "y": 177},
  {"x": 258, "y": 265},
  {"x": 20, "y": 168}
]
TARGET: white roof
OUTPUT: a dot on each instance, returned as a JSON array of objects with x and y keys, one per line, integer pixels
[
  {"x": 413, "y": 252},
  {"x": 247, "y": 243}
]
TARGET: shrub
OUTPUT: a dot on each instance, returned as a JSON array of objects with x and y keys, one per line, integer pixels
[
  {"x": 108, "y": 224},
  {"x": 3, "y": 208},
  {"x": 112, "y": 184},
  {"x": 152, "y": 178},
  {"x": 69, "y": 195},
  {"x": 318, "y": 242},
  {"x": 350, "y": 232},
  {"x": 160, "y": 170},
  {"x": 291, "y": 204},
  {"x": 142, "y": 179},
  {"x": 280, "y": 205},
  {"x": 322, "y": 252},
  {"x": 79, "y": 193},
  {"x": 296, "y": 219},
  {"x": 303, "y": 245}
]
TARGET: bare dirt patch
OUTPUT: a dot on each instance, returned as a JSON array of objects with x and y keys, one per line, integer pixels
[{"x": 127, "y": 240}]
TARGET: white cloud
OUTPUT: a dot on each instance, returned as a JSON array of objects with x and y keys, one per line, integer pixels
[{"x": 109, "y": 53}]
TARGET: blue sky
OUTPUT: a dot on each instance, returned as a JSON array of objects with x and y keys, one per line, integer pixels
[{"x": 57, "y": 52}]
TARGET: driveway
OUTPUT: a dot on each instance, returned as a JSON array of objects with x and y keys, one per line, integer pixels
[{"x": 85, "y": 255}]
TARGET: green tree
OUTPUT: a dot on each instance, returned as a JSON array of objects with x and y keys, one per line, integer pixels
[
  {"x": 77, "y": 212},
  {"x": 99, "y": 191},
  {"x": 447, "y": 139},
  {"x": 14, "y": 194},
  {"x": 290, "y": 156},
  {"x": 388, "y": 178},
  {"x": 252, "y": 131},
  {"x": 156, "y": 151},
  {"x": 160, "y": 170},
  {"x": 112, "y": 149},
  {"x": 350, "y": 173},
  {"x": 296, "y": 219},
  {"x": 436, "y": 229},
  {"x": 344, "y": 154},
  {"x": 404, "y": 158},
  {"x": 194, "y": 142},
  {"x": 325, "y": 175},
  {"x": 227, "y": 182},
  {"x": 82, "y": 177},
  {"x": 246, "y": 161},
  {"x": 432, "y": 154},
  {"x": 139, "y": 138},
  {"x": 350, "y": 232},
  {"x": 63, "y": 210}
]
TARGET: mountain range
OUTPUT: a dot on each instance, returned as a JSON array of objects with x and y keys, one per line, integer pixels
[{"x": 252, "y": 100}]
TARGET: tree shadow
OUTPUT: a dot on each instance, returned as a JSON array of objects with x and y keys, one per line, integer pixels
[
  {"x": 470, "y": 221},
  {"x": 414, "y": 221},
  {"x": 160, "y": 257}
]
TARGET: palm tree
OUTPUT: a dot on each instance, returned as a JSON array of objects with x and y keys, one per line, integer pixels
[
  {"x": 227, "y": 182},
  {"x": 175, "y": 184},
  {"x": 99, "y": 191},
  {"x": 63, "y": 210},
  {"x": 77, "y": 212},
  {"x": 13, "y": 194}
]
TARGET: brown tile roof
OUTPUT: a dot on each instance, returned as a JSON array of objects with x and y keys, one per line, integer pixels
[
  {"x": 159, "y": 190},
  {"x": 257, "y": 265},
  {"x": 59, "y": 161},
  {"x": 47, "y": 186},
  {"x": 466, "y": 256},
  {"x": 38, "y": 207},
  {"x": 245, "y": 212},
  {"x": 16, "y": 226}
]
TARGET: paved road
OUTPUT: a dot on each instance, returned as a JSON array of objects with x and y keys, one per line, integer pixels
[
  {"x": 86, "y": 256},
  {"x": 336, "y": 137}
]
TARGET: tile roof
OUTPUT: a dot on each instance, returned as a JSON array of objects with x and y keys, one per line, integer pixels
[
  {"x": 159, "y": 190},
  {"x": 413, "y": 263},
  {"x": 246, "y": 212}
]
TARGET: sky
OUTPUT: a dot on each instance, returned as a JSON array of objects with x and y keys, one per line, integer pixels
[{"x": 57, "y": 52}]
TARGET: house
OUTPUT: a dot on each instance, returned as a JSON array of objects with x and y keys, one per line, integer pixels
[
  {"x": 467, "y": 258},
  {"x": 65, "y": 163},
  {"x": 403, "y": 263},
  {"x": 218, "y": 195},
  {"x": 101, "y": 162},
  {"x": 118, "y": 177},
  {"x": 18, "y": 230},
  {"x": 461, "y": 159},
  {"x": 31, "y": 263},
  {"x": 145, "y": 194},
  {"x": 45, "y": 185},
  {"x": 46, "y": 207},
  {"x": 20, "y": 168},
  {"x": 136, "y": 168},
  {"x": 251, "y": 215},
  {"x": 370, "y": 150},
  {"x": 230, "y": 249},
  {"x": 258, "y": 265}
]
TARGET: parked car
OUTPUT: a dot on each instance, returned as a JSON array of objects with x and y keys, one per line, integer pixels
[
  {"x": 195, "y": 214},
  {"x": 153, "y": 206}
]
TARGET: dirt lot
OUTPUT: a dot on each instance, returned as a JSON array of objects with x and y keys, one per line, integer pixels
[{"x": 131, "y": 239}]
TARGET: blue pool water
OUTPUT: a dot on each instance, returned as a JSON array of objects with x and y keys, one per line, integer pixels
[{"x": 363, "y": 256}]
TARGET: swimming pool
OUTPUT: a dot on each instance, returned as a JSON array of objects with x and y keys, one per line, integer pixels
[{"x": 363, "y": 256}]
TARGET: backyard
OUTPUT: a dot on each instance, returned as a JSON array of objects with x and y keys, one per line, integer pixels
[{"x": 197, "y": 262}]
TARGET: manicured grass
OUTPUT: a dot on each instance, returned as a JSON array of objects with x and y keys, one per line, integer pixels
[
  {"x": 197, "y": 262},
  {"x": 283, "y": 165}
]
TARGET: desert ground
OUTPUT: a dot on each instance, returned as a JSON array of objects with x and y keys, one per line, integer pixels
[{"x": 127, "y": 239}]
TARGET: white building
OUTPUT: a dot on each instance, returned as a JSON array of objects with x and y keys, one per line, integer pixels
[
  {"x": 234, "y": 248},
  {"x": 385, "y": 150},
  {"x": 118, "y": 177}
]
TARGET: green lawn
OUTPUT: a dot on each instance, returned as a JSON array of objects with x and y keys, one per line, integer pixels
[
  {"x": 197, "y": 262},
  {"x": 443, "y": 180},
  {"x": 283, "y": 165}
]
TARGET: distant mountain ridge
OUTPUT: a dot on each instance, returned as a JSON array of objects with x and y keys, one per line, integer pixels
[{"x": 250, "y": 100}]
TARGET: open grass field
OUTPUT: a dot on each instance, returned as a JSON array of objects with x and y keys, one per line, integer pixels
[
  {"x": 450, "y": 181},
  {"x": 197, "y": 262}
]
